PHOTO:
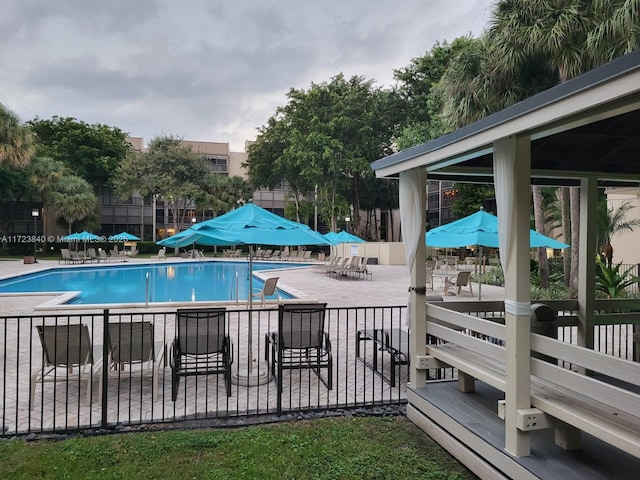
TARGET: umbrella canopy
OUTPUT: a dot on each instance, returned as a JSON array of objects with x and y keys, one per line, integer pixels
[
  {"x": 247, "y": 225},
  {"x": 81, "y": 237},
  {"x": 124, "y": 237},
  {"x": 480, "y": 229},
  {"x": 342, "y": 237}
]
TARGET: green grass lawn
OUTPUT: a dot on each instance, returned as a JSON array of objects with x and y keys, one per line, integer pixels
[{"x": 336, "y": 448}]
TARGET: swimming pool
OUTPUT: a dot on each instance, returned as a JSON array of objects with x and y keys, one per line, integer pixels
[{"x": 167, "y": 282}]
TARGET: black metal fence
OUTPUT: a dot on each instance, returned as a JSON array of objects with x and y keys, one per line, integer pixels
[{"x": 55, "y": 378}]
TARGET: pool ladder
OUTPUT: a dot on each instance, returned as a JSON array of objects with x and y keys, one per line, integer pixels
[{"x": 146, "y": 290}]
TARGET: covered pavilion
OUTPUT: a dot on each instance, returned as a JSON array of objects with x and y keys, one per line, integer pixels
[{"x": 583, "y": 133}]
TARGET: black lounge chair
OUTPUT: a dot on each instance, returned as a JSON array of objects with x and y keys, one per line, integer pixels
[
  {"x": 300, "y": 343},
  {"x": 201, "y": 346}
]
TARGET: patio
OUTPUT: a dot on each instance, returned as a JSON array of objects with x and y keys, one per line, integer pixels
[{"x": 129, "y": 400}]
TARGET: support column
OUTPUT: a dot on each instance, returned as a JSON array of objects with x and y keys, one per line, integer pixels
[
  {"x": 586, "y": 262},
  {"x": 413, "y": 198},
  {"x": 512, "y": 171}
]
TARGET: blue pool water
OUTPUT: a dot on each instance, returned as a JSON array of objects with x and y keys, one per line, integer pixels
[{"x": 168, "y": 282}]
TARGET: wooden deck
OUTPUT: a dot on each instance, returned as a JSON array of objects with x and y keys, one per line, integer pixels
[{"x": 469, "y": 423}]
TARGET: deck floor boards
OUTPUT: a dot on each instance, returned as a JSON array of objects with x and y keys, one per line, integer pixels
[{"x": 477, "y": 412}]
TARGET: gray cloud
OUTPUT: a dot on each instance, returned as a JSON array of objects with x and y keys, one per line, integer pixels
[{"x": 206, "y": 70}]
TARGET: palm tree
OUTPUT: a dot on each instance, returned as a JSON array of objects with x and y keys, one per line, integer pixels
[
  {"x": 16, "y": 141},
  {"x": 73, "y": 199},
  {"x": 44, "y": 174},
  {"x": 569, "y": 37},
  {"x": 610, "y": 223}
]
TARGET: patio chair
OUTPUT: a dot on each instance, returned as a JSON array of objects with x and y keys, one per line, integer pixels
[
  {"x": 162, "y": 255},
  {"x": 132, "y": 345},
  {"x": 201, "y": 347},
  {"x": 93, "y": 255},
  {"x": 429, "y": 281},
  {"x": 67, "y": 355},
  {"x": 66, "y": 257},
  {"x": 267, "y": 290},
  {"x": 115, "y": 256},
  {"x": 462, "y": 280},
  {"x": 102, "y": 256},
  {"x": 300, "y": 342},
  {"x": 76, "y": 257}
]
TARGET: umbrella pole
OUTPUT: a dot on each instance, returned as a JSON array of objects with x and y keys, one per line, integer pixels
[
  {"x": 480, "y": 277},
  {"x": 251, "y": 306},
  {"x": 248, "y": 375}
]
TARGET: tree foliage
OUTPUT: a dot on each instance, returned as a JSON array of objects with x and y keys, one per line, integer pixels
[
  {"x": 92, "y": 152},
  {"x": 324, "y": 140},
  {"x": 73, "y": 199},
  {"x": 169, "y": 169},
  {"x": 16, "y": 140}
]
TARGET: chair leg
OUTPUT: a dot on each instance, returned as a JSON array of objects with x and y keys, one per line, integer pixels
[
  {"x": 154, "y": 391},
  {"x": 175, "y": 382},
  {"x": 32, "y": 392}
]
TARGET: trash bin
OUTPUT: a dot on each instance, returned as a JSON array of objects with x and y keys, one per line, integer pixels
[
  {"x": 29, "y": 259},
  {"x": 544, "y": 321}
]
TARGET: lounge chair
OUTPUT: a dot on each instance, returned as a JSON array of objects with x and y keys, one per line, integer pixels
[
  {"x": 132, "y": 345},
  {"x": 93, "y": 255},
  {"x": 201, "y": 346},
  {"x": 350, "y": 266},
  {"x": 115, "y": 256},
  {"x": 102, "y": 256},
  {"x": 300, "y": 343},
  {"x": 161, "y": 255},
  {"x": 361, "y": 268},
  {"x": 267, "y": 290},
  {"x": 77, "y": 257},
  {"x": 66, "y": 257},
  {"x": 340, "y": 264},
  {"x": 67, "y": 356},
  {"x": 462, "y": 280}
]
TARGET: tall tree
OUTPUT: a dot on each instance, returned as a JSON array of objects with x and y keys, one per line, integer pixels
[
  {"x": 611, "y": 222},
  {"x": 44, "y": 174},
  {"x": 570, "y": 37},
  {"x": 91, "y": 151},
  {"x": 323, "y": 140},
  {"x": 16, "y": 141},
  {"x": 169, "y": 169},
  {"x": 221, "y": 193},
  {"x": 73, "y": 199}
]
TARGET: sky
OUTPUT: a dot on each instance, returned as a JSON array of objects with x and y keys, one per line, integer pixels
[{"x": 206, "y": 70}]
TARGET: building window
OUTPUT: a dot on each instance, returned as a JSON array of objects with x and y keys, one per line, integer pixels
[{"x": 218, "y": 164}]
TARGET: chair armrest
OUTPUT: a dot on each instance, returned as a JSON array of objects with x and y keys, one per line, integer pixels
[
  {"x": 174, "y": 353},
  {"x": 327, "y": 342}
]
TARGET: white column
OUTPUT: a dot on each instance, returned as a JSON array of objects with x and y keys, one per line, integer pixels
[
  {"x": 587, "y": 263},
  {"x": 417, "y": 271},
  {"x": 512, "y": 164}
]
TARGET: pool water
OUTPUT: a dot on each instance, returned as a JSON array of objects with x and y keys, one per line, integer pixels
[{"x": 167, "y": 282}]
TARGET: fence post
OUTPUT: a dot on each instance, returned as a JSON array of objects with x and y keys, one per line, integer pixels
[{"x": 105, "y": 367}]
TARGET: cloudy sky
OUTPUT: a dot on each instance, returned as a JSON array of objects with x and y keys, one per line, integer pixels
[{"x": 206, "y": 70}]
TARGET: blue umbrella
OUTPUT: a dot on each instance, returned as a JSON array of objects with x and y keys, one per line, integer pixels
[
  {"x": 343, "y": 237},
  {"x": 480, "y": 229},
  {"x": 247, "y": 225},
  {"x": 124, "y": 237}
]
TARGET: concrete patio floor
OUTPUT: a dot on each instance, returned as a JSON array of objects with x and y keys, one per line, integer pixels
[{"x": 386, "y": 287}]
